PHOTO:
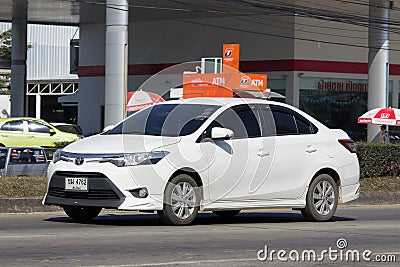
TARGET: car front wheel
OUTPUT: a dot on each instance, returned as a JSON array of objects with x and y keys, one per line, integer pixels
[
  {"x": 82, "y": 214},
  {"x": 181, "y": 201},
  {"x": 322, "y": 199}
]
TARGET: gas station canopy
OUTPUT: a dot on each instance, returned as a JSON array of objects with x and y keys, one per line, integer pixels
[{"x": 74, "y": 12}]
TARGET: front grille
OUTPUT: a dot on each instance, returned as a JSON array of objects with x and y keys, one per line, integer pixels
[
  {"x": 80, "y": 174},
  {"x": 101, "y": 191},
  {"x": 91, "y": 194}
]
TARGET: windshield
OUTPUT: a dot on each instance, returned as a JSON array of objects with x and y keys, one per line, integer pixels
[{"x": 166, "y": 120}]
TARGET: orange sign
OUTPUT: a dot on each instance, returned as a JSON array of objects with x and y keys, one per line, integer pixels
[
  {"x": 230, "y": 58},
  {"x": 223, "y": 84},
  {"x": 248, "y": 81},
  {"x": 205, "y": 85}
]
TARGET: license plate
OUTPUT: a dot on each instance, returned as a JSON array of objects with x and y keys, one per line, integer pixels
[{"x": 76, "y": 184}]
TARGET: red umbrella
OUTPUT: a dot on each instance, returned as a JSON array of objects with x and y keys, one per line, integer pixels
[
  {"x": 138, "y": 100},
  {"x": 382, "y": 116}
]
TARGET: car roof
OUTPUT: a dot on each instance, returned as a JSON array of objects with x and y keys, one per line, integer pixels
[
  {"x": 20, "y": 147},
  {"x": 20, "y": 118},
  {"x": 218, "y": 101},
  {"x": 221, "y": 101}
]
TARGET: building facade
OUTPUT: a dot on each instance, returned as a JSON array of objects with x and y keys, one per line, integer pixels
[
  {"x": 334, "y": 59},
  {"x": 326, "y": 78},
  {"x": 48, "y": 71}
]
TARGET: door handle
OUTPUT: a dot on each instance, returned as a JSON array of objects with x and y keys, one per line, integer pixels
[
  {"x": 31, "y": 137},
  {"x": 262, "y": 153},
  {"x": 311, "y": 149},
  {"x": 4, "y": 135}
]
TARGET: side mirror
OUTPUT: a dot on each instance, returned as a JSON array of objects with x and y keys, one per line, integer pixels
[
  {"x": 107, "y": 128},
  {"x": 219, "y": 133},
  {"x": 52, "y": 132}
]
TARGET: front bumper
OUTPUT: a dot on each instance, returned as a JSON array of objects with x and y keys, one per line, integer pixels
[
  {"x": 109, "y": 186},
  {"x": 101, "y": 191}
]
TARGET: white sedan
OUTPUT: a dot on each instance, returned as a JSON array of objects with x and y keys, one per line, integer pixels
[{"x": 211, "y": 154}]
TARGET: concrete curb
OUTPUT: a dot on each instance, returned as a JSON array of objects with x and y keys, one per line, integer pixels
[
  {"x": 376, "y": 198},
  {"x": 24, "y": 205},
  {"x": 27, "y": 205}
]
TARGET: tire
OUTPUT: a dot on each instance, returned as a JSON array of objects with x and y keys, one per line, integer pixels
[
  {"x": 82, "y": 214},
  {"x": 181, "y": 201},
  {"x": 226, "y": 213},
  {"x": 322, "y": 199}
]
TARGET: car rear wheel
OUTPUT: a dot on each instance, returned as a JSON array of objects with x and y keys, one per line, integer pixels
[
  {"x": 226, "y": 213},
  {"x": 181, "y": 201},
  {"x": 82, "y": 214},
  {"x": 322, "y": 199}
]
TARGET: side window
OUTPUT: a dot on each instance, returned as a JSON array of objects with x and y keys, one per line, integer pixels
[
  {"x": 303, "y": 126},
  {"x": 284, "y": 122},
  {"x": 289, "y": 122},
  {"x": 242, "y": 120},
  {"x": 14, "y": 126},
  {"x": 248, "y": 115},
  {"x": 37, "y": 127}
]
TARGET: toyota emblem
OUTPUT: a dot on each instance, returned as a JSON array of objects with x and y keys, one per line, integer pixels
[{"x": 79, "y": 160}]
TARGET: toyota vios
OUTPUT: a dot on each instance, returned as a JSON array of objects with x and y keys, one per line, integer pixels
[{"x": 219, "y": 155}]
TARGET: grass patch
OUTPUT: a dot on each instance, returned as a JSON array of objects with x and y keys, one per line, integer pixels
[
  {"x": 23, "y": 186},
  {"x": 36, "y": 186}
]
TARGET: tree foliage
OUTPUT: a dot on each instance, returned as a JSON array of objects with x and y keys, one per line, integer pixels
[
  {"x": 5, "y": 44},
  {"x": 5, "y": 53}
]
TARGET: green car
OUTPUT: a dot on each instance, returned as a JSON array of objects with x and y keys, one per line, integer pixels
[{"x": 31, "y": 132}]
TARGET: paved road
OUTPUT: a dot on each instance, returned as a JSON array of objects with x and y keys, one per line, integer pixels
[{"x": 51, "y": 239}]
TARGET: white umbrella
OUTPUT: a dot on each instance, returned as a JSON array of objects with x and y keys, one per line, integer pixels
[
  {"x": 381, "y": 116},
  {"x": 138, "y": 100}
]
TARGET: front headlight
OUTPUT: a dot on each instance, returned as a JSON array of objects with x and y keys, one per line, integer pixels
[
  {"x": 134, "y": 159},
  {"x": 57, "y": 155}
]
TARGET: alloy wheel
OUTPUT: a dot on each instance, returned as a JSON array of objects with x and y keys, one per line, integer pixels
[
  {"x": 183, "y": 200},
  {"x": 324, "y": 197}
]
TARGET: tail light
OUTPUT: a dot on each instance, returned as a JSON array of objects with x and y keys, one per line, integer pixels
[{"x": 349, "y": 144}]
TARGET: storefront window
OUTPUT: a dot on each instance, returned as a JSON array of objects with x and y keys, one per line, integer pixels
[
  {"x": 336, "y": 102},
  {"x": 278, "y": 86},
  {"x": 390, "y": 100}
]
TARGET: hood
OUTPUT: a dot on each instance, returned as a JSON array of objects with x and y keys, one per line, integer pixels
[
  {"x": 103, "y": 144},
  {"x": 65, "y": 137}
]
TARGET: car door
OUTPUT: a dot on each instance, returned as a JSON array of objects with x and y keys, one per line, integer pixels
[
  {"x": 12, "y": 133},
  {"x": 233, "y": 163},
  {"x": 39, "y": 134},
  {"x": 3, "y": 161},
  {"x": 295, "y": 154},
  {"x": 25, "y": 161}
]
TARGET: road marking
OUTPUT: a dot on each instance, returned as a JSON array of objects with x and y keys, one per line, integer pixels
[
  {"x": 177, "y": 263},
  {"x": 24, "y": 236}
]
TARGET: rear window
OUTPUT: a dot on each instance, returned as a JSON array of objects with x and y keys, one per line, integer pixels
[
  {"x": 38, "y": 127},
  {"x": 27, "y": 156}
]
